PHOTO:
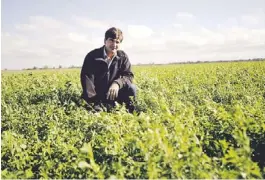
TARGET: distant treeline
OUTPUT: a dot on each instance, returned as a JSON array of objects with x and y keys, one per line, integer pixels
[
  {"x": 47, "y": 67},
  {"x": 198, "y": 62},
  {"x": 139, "y": 64}
]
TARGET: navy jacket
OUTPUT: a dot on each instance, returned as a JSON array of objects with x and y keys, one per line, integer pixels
[{"x": 96, "y": 77}]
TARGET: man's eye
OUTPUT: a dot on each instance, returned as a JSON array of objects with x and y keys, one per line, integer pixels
[{"x": 116, "y": 41}]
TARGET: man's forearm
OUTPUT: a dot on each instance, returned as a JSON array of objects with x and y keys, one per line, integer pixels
[{"x": 88, "y": 86}]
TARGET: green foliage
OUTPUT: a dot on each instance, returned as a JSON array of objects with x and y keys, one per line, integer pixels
[{"x": 196, "y": 121}]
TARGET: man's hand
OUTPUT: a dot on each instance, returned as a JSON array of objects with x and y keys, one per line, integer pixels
[{"x": 113, "y": 91}]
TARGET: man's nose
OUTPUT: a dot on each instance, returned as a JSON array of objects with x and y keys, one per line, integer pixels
[{"x": 115, "y": 44}]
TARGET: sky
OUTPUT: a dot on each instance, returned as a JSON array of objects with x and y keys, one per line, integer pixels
[{"x": 52, "y": 33}]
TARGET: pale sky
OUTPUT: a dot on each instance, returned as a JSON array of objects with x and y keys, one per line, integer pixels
[{"x": 62, "y": 32}]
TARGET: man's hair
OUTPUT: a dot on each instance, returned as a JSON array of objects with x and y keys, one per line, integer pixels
[{"x": 114, "y": 33}]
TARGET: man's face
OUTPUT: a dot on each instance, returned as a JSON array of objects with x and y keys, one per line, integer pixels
[{"x": 112, "y": 45}]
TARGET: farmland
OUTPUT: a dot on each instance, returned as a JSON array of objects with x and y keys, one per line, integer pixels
[{"x": 195, "y": 121}]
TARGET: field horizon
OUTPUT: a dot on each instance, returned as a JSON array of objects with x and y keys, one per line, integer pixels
[{"x": 139, "y": 64}]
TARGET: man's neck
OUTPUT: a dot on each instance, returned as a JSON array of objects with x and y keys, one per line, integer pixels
[{"x": 109, "y": 54}]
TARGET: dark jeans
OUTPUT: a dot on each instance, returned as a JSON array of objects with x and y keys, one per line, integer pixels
[{"x": 126, "y": 95}]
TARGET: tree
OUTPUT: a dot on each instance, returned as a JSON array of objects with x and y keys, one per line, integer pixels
[{"x": 45, "y": 67}]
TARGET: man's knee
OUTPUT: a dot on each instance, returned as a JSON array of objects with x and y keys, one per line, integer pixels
[
  {"x": 127, "y": 91},
  {"x": 132, "y": 90}
]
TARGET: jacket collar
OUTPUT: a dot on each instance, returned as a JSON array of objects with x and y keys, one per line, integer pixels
[{"x": 104, "y": 54}]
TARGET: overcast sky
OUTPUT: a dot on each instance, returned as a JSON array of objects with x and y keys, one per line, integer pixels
[{"x": 62, "y": 32}]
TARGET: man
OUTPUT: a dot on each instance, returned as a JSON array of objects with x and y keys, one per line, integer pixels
[{"x": 106, "y": 74}]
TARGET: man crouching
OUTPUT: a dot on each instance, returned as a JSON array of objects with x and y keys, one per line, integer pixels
[{"x": 106, "y": 74}]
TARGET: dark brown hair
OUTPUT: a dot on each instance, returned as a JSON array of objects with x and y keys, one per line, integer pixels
[{"x": 114, "y": 33}]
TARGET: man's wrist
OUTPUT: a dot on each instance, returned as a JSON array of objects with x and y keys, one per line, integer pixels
[{"x": 116, "y": 82}]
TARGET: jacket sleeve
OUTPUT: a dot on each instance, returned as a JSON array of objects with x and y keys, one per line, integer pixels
[
  {"x": 126, "y": 75},
  {"x": 87, "y": 77}
]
